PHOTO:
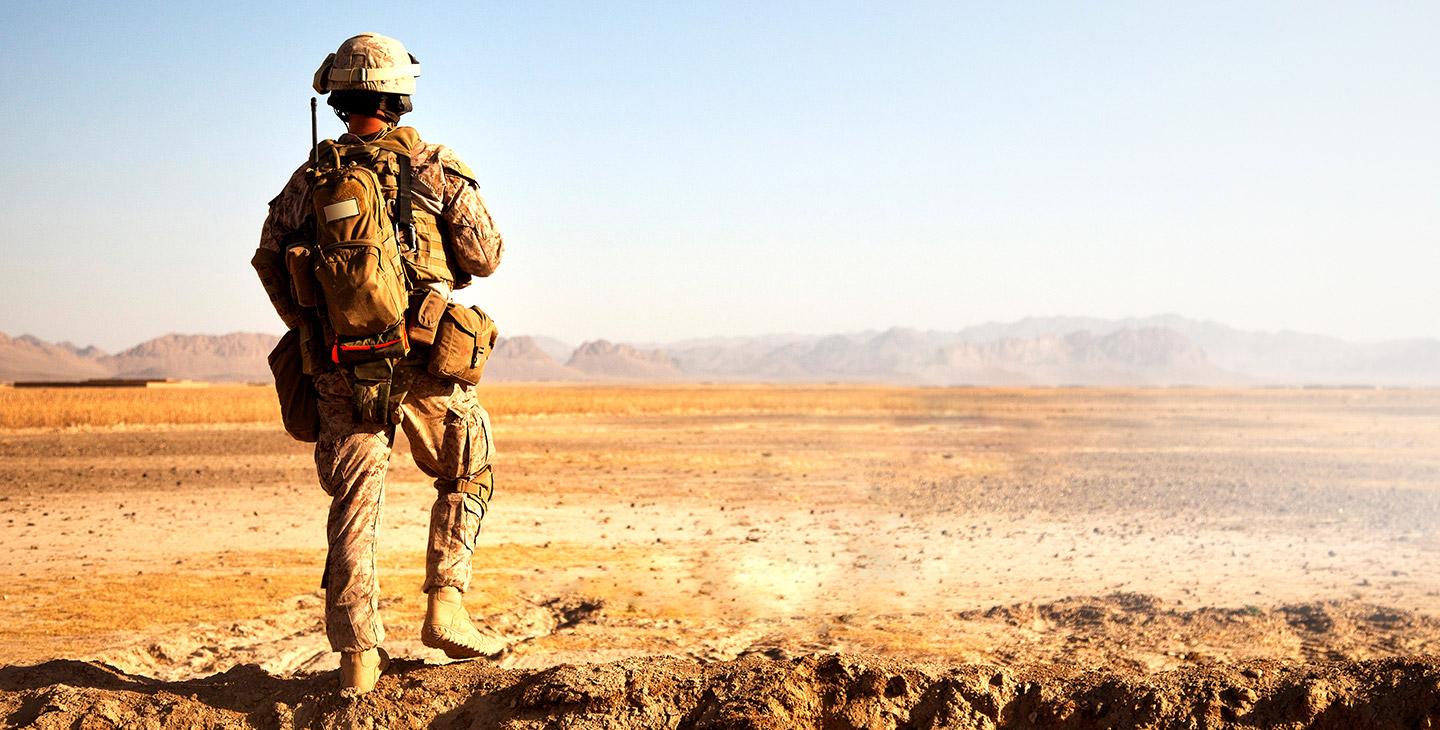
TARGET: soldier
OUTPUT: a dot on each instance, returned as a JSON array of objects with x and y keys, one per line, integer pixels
[{"x": 451, "y": 238}]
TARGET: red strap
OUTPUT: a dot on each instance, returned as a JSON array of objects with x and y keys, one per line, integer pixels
[{"x": 378, "y": 346}]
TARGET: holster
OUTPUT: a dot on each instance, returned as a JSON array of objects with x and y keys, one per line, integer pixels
[{"x": 370, "y": 390}]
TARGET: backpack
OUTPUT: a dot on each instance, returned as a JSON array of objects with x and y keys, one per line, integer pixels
[{"x": 356, "y": 257}]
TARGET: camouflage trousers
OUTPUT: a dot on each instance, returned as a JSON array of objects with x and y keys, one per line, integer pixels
[{"x": 449, "y": 435}]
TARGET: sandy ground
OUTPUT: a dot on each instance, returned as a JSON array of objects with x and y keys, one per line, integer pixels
[{"x": 1137, "y": 530}]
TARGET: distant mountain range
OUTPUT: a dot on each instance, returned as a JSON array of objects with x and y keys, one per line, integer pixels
[
  {"x": 234, "y": 357},
  {"x": 1160, "y": 350}
]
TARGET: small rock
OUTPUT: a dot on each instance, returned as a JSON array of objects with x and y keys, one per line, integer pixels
[{"x": 1316, "y": 698}]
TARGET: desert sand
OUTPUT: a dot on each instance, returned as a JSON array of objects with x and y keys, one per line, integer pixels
[{"x": 1249, "y": 557}]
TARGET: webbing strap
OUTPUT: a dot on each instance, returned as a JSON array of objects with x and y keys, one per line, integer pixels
[
  {"x": 375, "y": 74},
  {"x": 481, "y": 485},
  {"x": 404, "y": 213}
]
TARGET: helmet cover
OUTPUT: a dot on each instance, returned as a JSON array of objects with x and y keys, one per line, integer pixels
[{"x": 369, "y": 62}]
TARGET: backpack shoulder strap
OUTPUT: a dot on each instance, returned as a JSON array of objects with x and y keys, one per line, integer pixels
[{"x": 404, "y": 217}]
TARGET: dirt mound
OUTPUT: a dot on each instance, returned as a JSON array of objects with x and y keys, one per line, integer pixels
[{"x": 830, "y": 691}]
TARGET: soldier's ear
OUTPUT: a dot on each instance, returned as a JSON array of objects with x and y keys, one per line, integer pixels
[{"x": 322, "y": 75}]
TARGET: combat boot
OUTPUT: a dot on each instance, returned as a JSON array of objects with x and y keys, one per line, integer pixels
[
  {"x": 448, "y": 627},
  {"x": 360, "y": 670}
]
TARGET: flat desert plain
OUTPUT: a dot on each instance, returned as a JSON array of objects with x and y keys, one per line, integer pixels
[{"x": 1194, "y": 544}]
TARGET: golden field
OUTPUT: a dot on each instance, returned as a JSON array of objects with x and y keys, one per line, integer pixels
[
  {"x": 230, "y": 404},
  {"x": 68, "y": 407},
  {"x": 177, "y": 532}
]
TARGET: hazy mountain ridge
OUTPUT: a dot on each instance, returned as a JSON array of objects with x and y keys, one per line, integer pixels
[
  {"x": 527, "y": 358},
  {"x": 1283, "y": 356},
  {"x": 605, "y": 360},
  {"x": 1158, "y": 350},
  {"x": 238, "y": 356},
  {"x": 29, "y": 358},
  {"x": 1149, "y": 356}
]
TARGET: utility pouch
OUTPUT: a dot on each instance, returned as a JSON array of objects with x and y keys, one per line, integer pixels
[
  {"x": 463, "y": 343},
  {"x": 300, "y": 262},
  {"x": 299, "y": 403},
  {"x": 392, "y": 344},
  {"x": 365, "y": 291},
  {"x": 425, "y": 318}
]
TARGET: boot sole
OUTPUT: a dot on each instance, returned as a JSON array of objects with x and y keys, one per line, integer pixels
[{"x": 449, "y": 642}]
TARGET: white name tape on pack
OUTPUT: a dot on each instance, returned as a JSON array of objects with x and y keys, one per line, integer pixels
[{"x": 342, "y": 209}]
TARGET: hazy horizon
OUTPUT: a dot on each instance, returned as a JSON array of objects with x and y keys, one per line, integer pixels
[
  {"x": 670, "y": 172},
  {"x": 278, "y": 330}
]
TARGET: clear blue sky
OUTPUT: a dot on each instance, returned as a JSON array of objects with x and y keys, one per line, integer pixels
[{"x": 667, "y": 170}]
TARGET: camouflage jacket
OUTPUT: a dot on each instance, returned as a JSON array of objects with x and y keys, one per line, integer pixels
[{"x": 443, "y": 185}]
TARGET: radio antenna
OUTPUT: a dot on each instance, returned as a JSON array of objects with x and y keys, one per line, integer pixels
[{"x": 314, "y": 136}]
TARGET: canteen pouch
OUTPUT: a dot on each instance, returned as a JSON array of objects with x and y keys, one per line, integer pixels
[
  {"x": 299, "y": 403},
  {"x": 300, "y": 262},
  {"x": 463, "y": 343},
  {"x": 425, "y": 318}
]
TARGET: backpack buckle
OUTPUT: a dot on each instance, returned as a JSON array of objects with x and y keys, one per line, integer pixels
[{"x": 407, "y": 240}]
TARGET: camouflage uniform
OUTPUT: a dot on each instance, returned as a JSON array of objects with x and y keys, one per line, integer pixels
[{"x": 448, "y": 430}]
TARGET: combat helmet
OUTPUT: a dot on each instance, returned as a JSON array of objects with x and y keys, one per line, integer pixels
[{"x": 369, "y": 62}]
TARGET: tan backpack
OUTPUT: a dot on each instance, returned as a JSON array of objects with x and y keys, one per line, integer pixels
[{"x": 356, "y": 258}]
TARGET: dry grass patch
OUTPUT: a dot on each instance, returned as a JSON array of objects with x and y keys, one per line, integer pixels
[
  {"x": 223, "y": 404},
  {"x": 227, "y": 404},
  {"x": 70, "y": 407}
]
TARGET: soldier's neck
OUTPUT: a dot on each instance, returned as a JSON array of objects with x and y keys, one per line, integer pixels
[{"x": 364, "y": 126}]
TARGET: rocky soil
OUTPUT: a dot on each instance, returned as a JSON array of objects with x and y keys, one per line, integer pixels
[{"x": 817, "y": 691}]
